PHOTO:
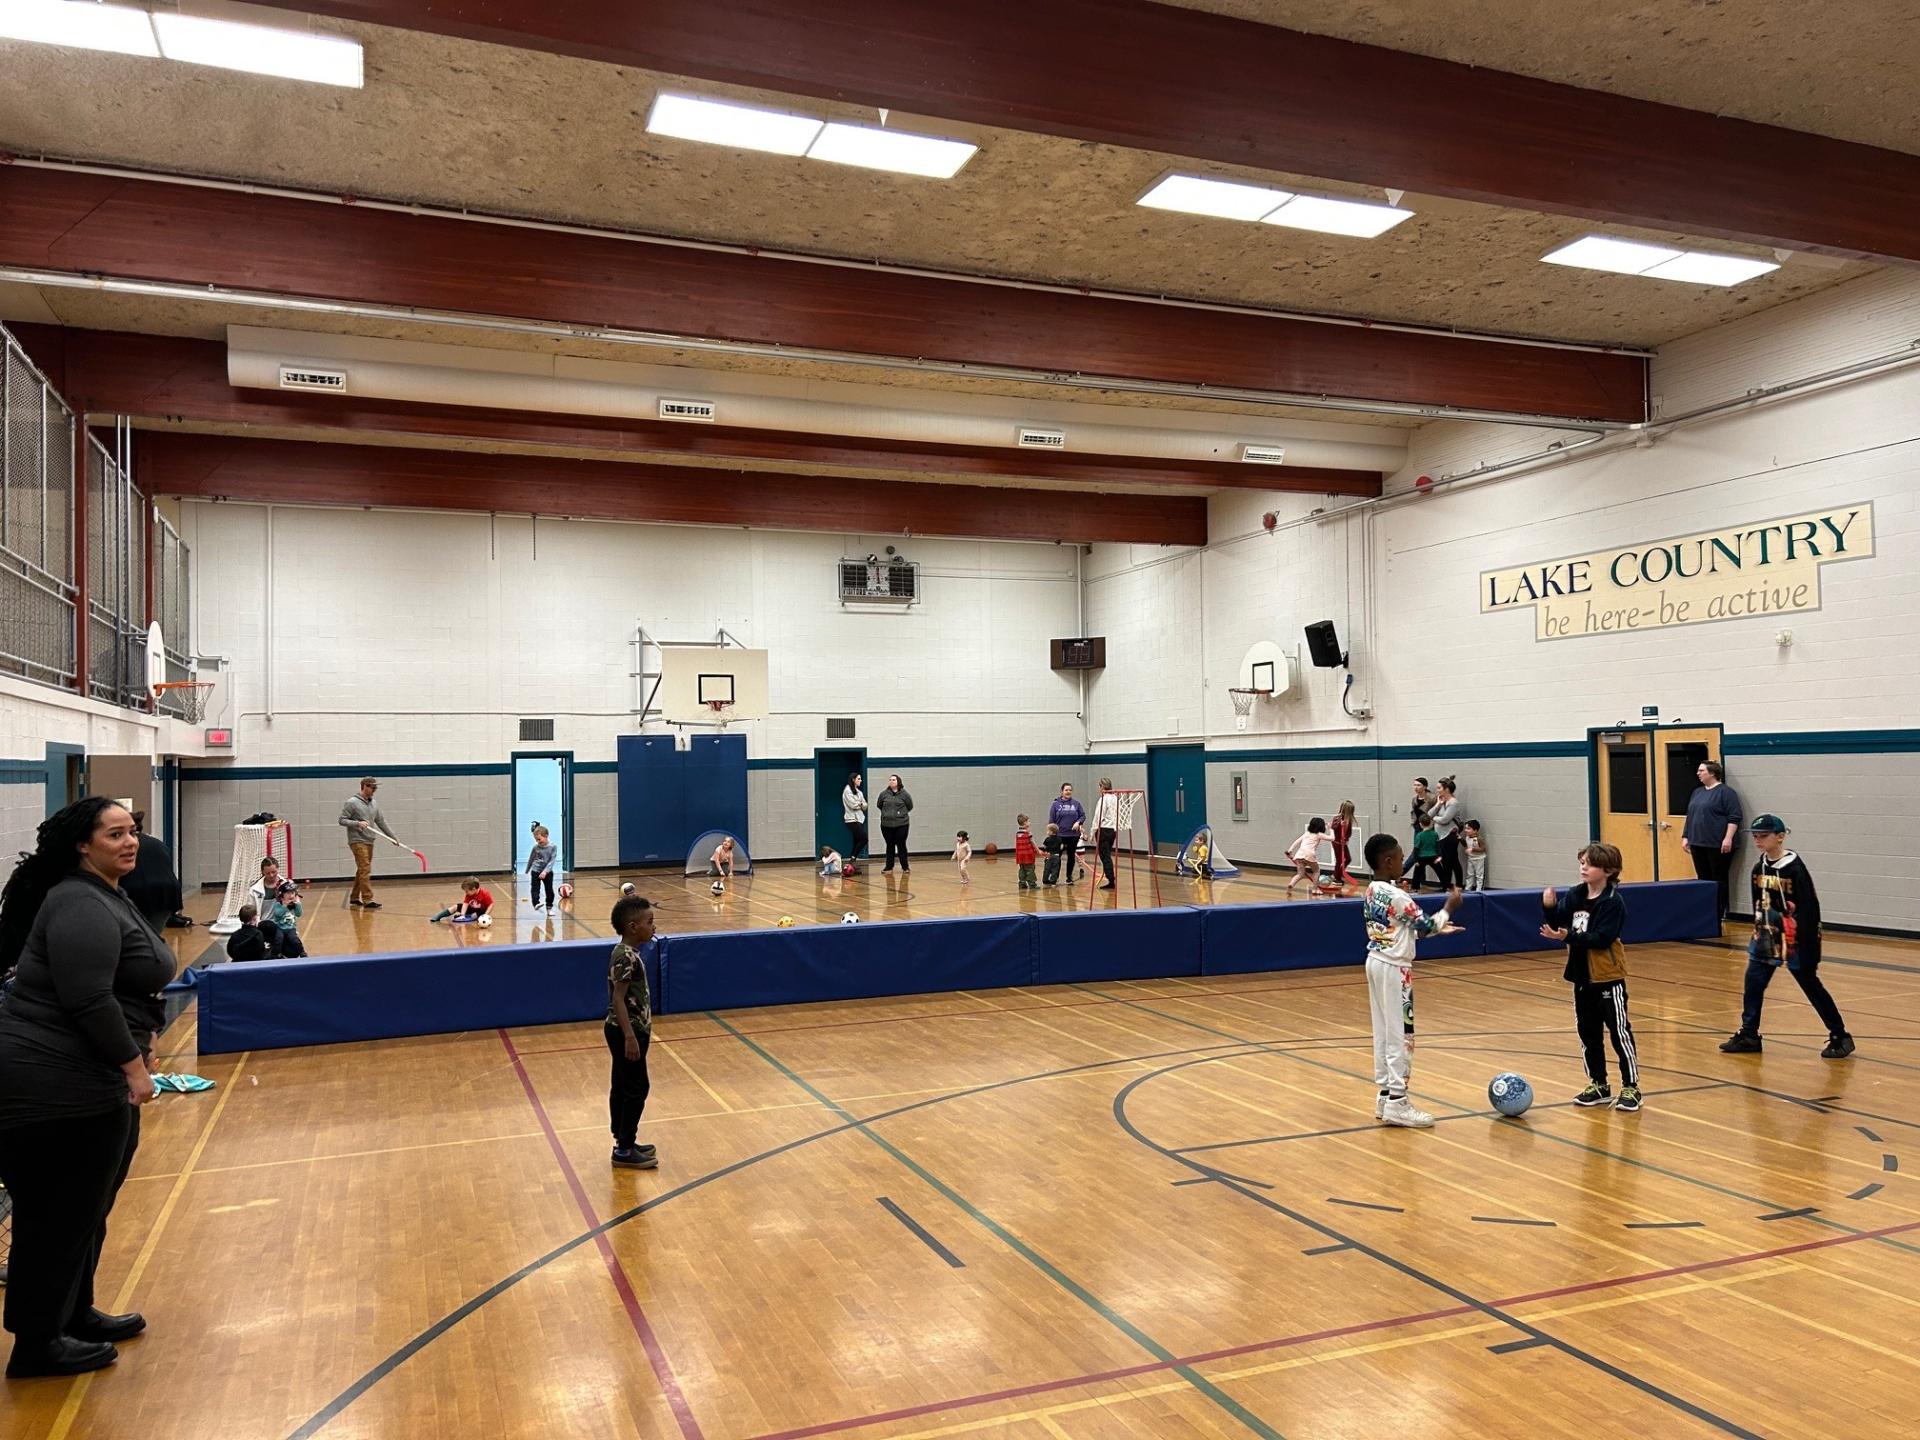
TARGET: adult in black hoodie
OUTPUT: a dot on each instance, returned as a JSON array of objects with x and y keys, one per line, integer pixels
[{"x": 1786, "y": 930}]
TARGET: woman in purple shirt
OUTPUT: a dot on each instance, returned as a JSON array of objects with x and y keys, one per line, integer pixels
[{"x": 1068, "y": 814}]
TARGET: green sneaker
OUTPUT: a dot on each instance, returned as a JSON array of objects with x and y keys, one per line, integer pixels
[
  {"x": 1629, "y": 1098},
  {"x": 1594, "y": 1095}
]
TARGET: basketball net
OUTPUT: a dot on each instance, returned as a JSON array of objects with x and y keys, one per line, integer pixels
[
  {"x": 721, "y": 709},
  {"x": 1243, "y": 705}
]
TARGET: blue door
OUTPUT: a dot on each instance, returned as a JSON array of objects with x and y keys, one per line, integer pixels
[
  {"x": 543, "y": 793},
  {"x": 830, "y": 771},
  {"x": 1176, "y": 793}
]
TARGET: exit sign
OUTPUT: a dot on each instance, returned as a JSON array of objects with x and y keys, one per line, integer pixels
[{"x": 217, "y": 739}]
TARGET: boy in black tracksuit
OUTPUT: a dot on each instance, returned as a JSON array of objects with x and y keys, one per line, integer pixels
[
  {"x": 1786, "y": 929},
  {"x": 1588, "y": 920}
]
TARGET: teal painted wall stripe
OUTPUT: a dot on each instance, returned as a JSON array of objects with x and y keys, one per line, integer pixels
[
  {"x": 1824, "y": 742},
  {"x": 201, "y": 773},
  {"x": 23, "y": 772}
]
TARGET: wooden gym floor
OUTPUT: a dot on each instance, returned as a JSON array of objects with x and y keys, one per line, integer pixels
[
  {"x": 931, "y": 890},
  {"x": 1154, "y": 1209}
]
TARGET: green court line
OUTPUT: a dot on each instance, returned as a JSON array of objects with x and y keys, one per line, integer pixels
[
  {"x": 1026, "y": 1252},
  {"x": 1647, "y": 1165}
]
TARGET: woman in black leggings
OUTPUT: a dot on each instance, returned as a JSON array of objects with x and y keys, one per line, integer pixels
[
  {"x": 853, "y": 810},
  {"x": 895, "y": 806},
  {"x": 1106, "y": 829}
]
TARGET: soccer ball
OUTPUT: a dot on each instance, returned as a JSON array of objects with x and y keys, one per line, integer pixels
[
  {"x": 626, "y": 887},
  {"x": 785, "y": 922},
  {"x": 566, "y": 892},
  {"x": 717, "y": 888},
  {"x": 485, "y": 920},
  {"x": 1509, "y": 1094},
  {"x": 852, "y": 917}
]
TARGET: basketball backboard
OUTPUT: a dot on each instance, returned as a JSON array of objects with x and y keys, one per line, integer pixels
[{"x": 694, "y": 677}]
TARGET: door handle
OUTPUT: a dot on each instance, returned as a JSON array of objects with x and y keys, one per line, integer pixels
[{"x": 1666, "y": 824}]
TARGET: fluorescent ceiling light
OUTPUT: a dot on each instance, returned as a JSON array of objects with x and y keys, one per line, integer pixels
[
  {"x": 745, "y": 127},
  {"x": 79, "y": 23},
  {"x": 1658, "y": 262},
  {"x": 259, "y": 49},
  {"x": 1223, "y": 199},
  {"x": 1338, "y": 217},
  {"x": 1698, "y": 267},
  {"x": 875, "y": 149},
  {"x": 1620, "y": 257}
]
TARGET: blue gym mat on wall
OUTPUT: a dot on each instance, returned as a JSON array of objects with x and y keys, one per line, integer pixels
[{"x": 273, "y": 1004}]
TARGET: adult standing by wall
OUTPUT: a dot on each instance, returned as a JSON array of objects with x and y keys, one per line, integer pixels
[
  {"x": 76, "y": 1040},
  {"x": 154, "y": 883},
  {"x": 1446, "y": 825},
  {"x": 362, "y": 818},
  {"x": 853, "y": 810},
  {"x": 1070, "y": 815},
  {"x": 1106, "y": 828},
  {"x": 1712, "y": 828},
  {"x": 895, "y": 806},
  {"x": 1420, "y": 804}
]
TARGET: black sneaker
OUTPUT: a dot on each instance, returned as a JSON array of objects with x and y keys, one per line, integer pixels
[
  {"x": 1593, "y": 1095},
  {"x": 369, "y": 904},
  {"x": 1629, "y": 1098},
  {"x": 638, "y": 1158},
  {"x": 1741, "y": 1043},
  {"x": 1839, "y": 1047}
]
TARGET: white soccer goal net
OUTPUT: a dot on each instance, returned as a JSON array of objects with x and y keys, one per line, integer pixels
[{"x": 251, "y": 845}]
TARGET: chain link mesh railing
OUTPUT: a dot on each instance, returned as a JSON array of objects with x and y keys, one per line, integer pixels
[
  {"x": 116, "y": 582},
  {"x": 172, "y": 607},
  {"x": 37, "y": 595}
]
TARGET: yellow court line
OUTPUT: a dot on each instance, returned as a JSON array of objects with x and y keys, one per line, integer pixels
[
  {"x": 1044, "y": 1025},
  {"x": 63, "y": 1422},
  {"x": 1905, "y": 1357},
  {"x": 712, "y": 1094}
]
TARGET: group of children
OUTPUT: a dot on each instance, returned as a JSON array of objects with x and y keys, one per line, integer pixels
[
  {"x": 1060, "y": 850},
  {"x": 269, "y": 920},
  {"x": 1588, "y": 919}
]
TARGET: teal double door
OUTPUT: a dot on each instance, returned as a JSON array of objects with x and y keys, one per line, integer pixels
[{"x": 1176, "y": 794}]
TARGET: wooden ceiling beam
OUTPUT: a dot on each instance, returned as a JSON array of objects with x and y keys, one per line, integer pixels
[
  {"x": 295, "y": 472},
  {"x": 1218, "y": 88},
  {"x": 151, "y": 230},
  {"x": 164, "y": 377}
]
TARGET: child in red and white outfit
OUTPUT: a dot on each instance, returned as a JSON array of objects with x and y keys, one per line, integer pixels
[{"x": 1025, "y": 854}]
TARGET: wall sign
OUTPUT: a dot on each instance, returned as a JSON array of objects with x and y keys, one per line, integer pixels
[{"x": 1769, "y": 567}]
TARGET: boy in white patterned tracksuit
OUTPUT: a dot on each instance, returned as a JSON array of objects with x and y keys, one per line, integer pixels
[{"x": 1395, "y": 923}]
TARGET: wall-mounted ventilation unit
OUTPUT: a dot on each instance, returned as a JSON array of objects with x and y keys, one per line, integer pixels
[
  {"x": 302, "y": 378},
  {"x": 536, "y": 729},
  {"x": 884, "y": 581},
  {"x": 840, "y": 728},
  {"x": 1032, "y": 439},
  {"x": 1263, "y": 454},
  {"x": 699, "y": 411}
]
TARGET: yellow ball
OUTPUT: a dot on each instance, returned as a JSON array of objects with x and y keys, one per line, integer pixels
[{"x": 784, "y": 921}]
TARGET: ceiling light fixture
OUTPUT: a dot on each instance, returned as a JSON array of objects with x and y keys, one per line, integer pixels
[
  {"x": 1657, "y": 262},
  {"x": 80, "y": 24},
  {"x": 260, "y": 50},
  {"x": 744, "y": 127},
  {"x": 895, "y": 150},
  {"x": 192, "y": 39},
  {"x": 1359, "y": 218},
  {"x": 1221, "y": 199}
]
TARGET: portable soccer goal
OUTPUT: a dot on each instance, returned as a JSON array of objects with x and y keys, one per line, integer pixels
[
  {"x": 1204, "y": 843},
  {"x": 251, "y": 845},
  {"x": 701, "y": 853},
  {"x": 1130, "y": 824}
]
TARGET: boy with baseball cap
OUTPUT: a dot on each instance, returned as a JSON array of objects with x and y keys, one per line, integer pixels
[{"x": 1786, "y": 929}]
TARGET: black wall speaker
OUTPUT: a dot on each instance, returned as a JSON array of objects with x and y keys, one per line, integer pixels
[{"x": 1324, "y": 645}]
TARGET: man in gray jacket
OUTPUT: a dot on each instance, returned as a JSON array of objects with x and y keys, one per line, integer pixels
[{"x": 362, "y": 818}]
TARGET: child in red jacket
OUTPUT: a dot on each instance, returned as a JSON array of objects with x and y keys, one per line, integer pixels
[{"x": 1025, "y": 854}]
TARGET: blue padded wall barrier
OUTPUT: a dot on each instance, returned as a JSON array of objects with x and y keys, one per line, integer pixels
[
  {"x": 651, "y": 789},
  {"x": 1248, "y": 939},
  {"x": 847, "y": 962},
  {"x": 1115, "y": 945},
  {"x": 270, "y": 1004},
  {"x": 1659, "y": 910}
]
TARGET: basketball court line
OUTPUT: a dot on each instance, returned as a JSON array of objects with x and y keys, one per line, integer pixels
[{"x": 642, "y": 1327}]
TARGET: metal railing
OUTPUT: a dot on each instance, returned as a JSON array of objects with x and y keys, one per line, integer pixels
[
  {"x": 37, "y": 592},
  {"x": 172, "y": 607},
  {"x": 116, "y": 582}
]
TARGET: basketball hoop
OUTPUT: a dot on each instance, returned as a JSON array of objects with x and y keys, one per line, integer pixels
[
  {"x": 1243, "y": 704},
  {"x": 720, "y": 709},
  {"x": 192, "y": 694}
]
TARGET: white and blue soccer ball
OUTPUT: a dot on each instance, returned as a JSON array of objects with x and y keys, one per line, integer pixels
[
  {"x": 1509, "y": 1094},
  {"x": 717, "y": 888},
  {"x": 852, "y": 917}
]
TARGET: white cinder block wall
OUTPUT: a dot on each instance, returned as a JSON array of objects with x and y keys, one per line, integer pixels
[
  {"x": 1454, "y": 690},
  {"x": 405, "y": 640}
]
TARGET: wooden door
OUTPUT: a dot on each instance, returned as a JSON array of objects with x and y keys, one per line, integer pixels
[
  {"x": 1677, "y": 755},
  {"x": 1623, "y": 761}
]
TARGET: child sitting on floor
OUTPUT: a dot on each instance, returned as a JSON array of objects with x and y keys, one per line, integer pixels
[{"x": 472, "y": 904}]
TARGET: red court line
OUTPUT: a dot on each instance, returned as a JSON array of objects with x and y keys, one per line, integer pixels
[
  {"x": 1072, "y": 1382},
  {"x": 649, "y": 1341}
]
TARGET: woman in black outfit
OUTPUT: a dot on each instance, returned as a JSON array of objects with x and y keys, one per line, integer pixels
[
  {"x": 76, "y": 1033},
  {"x": 895, "y": 806}
]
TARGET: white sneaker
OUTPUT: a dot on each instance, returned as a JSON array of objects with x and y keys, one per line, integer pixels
[
  {"x": 1379, "y": 1107},
  {"x": 1401, "y": 1112}
]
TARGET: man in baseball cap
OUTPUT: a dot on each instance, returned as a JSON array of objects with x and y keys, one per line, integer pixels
[{"x": 1786, "y": 930}]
